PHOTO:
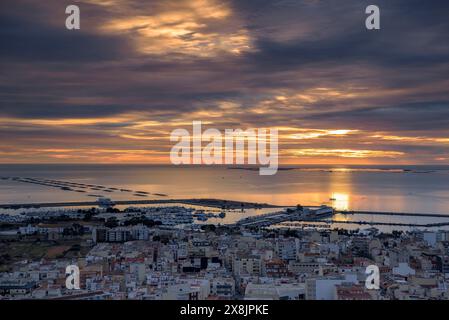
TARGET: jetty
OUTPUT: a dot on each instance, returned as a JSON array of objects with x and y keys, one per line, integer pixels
[{"x": 389, "y": 213}]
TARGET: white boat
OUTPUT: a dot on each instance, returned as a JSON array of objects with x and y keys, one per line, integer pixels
[{"x": 105, "y": 202}]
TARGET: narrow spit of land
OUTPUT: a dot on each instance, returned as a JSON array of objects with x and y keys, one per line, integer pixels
[
  {"x": 387, "y": 213},
  {"x": 397, "y": 224},
  {"x": 214, "y": 203}
]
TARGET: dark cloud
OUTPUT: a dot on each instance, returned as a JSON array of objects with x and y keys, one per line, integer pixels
[
  {"x": 431, "y": 116},
  {"x": 26, "y": 38}
]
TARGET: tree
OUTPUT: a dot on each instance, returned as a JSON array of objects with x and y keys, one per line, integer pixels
[
  {"x": 290, "y": 233},
  {"x": 208, "y": 228},
  {"x": 112, "y": 210},
  {"x": 111, "y": 223}
]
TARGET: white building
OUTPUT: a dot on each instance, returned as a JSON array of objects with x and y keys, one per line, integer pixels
[
  {"x": 287, "y": 249},
  {"x": 403, "y": 269},
  {"x": 323, "y": 288}
]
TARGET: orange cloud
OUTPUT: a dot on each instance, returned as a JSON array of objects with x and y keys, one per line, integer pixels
[
  {"x": 347, "y": 153},
  {"x": 411, "y": 139},
  {"x": 193, "y": 27}
]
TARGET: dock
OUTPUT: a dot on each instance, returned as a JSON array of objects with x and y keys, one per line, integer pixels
[
  {"x": 269, "y": 219},
  {"x": 395, "y": 224},
  {"x": 389, "y": 213}
]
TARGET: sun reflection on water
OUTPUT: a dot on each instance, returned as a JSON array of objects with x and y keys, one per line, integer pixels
[{"x": 340, "y": 201}]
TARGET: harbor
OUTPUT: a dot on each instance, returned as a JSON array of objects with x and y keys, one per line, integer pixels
[
  {"x": 325, "y": 216},
  {"x": 283, "y": 215},
  {"x": 297, "y": 214}
]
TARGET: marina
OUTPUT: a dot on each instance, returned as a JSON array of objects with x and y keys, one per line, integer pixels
[
  {"x": 320, "y": 215},
  {"x": 362, "y": 204},
  {"x": 298, "y": 214}
]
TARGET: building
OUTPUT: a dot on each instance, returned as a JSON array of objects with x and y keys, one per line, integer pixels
[
  {"x": 223, "y": 287},
  {"x": 274, "y": 291},
  {"x": 287, "y": 249},
  {"x": 298, "y": 267},
  {"x": 247, "y": 266},
  {"x": 276, "y": 269},
  {"x": 350, "y": 291},
  {"x": 120, "y": 234},
  {"x": 323, "y": 288}
]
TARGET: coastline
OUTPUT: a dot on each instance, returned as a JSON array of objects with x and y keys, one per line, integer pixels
[{"x": 213, "y": 203}]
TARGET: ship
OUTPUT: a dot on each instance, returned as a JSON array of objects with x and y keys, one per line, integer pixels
[{"x": 105, "y": 202}]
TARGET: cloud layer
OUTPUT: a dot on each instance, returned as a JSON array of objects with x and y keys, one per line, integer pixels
[{"x": 114, "y": 90}]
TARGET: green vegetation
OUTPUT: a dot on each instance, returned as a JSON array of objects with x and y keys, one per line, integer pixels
[{"x": 35, "y": 249}]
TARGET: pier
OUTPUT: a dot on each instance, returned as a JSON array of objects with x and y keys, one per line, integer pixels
[
  {"x": 388, "y": 213},
  {"x": 268, "y": 219},
  {"x": 397, "y": 224},
  {"x": 305, "y": 214},
  {"x": 286, "y": 217}
]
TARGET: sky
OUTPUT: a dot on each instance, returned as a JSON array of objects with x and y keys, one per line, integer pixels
[{"x": 113, "y": 91}]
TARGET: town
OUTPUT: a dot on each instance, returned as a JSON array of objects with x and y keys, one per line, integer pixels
[{"x": 161, "y": 253}]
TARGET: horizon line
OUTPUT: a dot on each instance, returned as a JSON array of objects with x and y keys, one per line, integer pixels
[{"x": 215, "y": 165}]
